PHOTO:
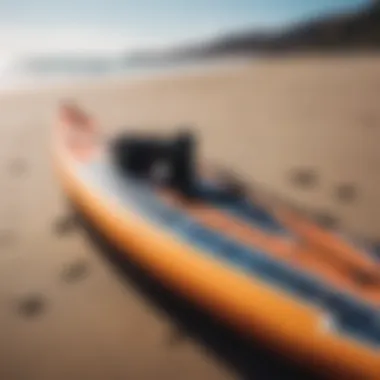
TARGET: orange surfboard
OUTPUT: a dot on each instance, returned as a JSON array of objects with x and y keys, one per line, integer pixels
[{"x": 268, "y": 273}]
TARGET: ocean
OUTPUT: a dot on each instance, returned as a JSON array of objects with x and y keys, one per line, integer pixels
[{"x": 31, "y": 71}]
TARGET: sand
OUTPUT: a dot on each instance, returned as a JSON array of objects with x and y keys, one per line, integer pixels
[{"x": 273, "y": 120}]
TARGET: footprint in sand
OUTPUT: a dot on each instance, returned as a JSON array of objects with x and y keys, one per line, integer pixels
[
  {"x": 327, "y": 220},
  {"x": 304, "y": 177},
  {"x": 31, "y": 305},
  {"x": 64, "y": 225},
  {"x": 7, "y": 237},
  {"x": 369, "y": 120},
  {"x": 346, "y": 192},
  {"x": 17, "y": 167},
  {"x": 74, "y": 272}
]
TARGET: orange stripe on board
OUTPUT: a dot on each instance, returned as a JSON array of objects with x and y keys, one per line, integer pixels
[{"x": 329, "y": 246}]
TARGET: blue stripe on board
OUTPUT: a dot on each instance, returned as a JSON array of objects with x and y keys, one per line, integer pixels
[
  {"x": 242, "y": 208},
  {"x": 351, "y": 316}
]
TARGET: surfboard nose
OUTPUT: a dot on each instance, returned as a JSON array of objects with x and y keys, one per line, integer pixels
[
  {"x": 76, "y": 131},
  {"x": 71, "y": 115}
]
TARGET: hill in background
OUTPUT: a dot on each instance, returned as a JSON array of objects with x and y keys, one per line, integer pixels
[{"x": 355, "y": 31}]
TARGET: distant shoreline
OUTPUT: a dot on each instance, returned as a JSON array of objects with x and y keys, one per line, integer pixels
[
  {"x": 32, "y": 81},
  {"x": 202, "y": 66}
]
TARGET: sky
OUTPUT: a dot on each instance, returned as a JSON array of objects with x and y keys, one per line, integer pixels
[{"x": 35, "y": 26}]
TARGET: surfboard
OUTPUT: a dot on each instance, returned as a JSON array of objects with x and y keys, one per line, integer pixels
[{"x": 263, "y": 269}]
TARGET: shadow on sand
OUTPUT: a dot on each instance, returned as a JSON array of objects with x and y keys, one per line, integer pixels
[{"x": 247, "y": 360}]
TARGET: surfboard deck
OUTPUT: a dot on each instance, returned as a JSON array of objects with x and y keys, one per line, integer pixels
[{"x": 266, "y": 271}]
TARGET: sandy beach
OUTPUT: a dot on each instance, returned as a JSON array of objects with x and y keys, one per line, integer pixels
[{"x": 269, "y": 119}]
